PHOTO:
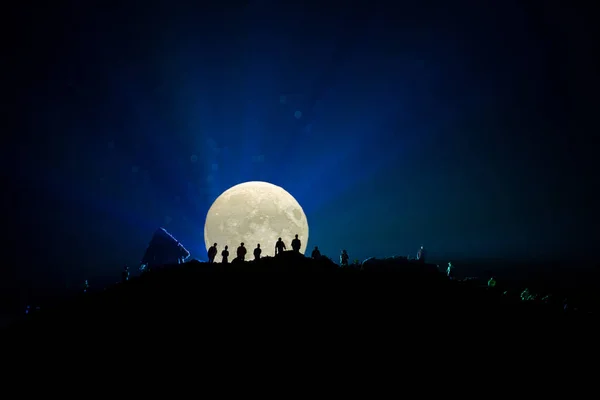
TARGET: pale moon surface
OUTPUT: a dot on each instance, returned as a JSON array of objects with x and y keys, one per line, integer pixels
[{"x": 254, "y": 212}]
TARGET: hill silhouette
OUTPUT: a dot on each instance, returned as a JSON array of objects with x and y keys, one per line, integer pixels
[{"x": 202, "y": 297}]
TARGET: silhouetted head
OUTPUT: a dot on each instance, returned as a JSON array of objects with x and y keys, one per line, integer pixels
[
  {"x": 215, "y": 245},
  {"x": 296, "y": 236},
  {"x": 242, "y": 244},
  {"x": 280, "y": 239},
  {"x": 316, "y": 247},
  {"x": 421, "y": 247},
  {"x": 258, "y": 245},
  {"x": 343, "y": 251},
  {"x": 226, "y": 247}
]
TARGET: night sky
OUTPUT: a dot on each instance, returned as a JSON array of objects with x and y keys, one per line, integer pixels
[{"x": 465, "y": 126}]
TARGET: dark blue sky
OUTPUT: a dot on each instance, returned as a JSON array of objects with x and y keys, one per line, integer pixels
[{"x": 464, "y": 126}]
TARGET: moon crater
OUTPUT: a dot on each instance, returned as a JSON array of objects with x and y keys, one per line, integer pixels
[{"x": 255, "y": 212}]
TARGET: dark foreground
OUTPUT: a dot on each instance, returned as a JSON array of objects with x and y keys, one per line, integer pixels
[{"x": 292, "y": 296}]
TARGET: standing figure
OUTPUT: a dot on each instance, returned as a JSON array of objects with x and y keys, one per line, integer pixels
[
  {"x": 279, "y": 247},
  {"x": 257, "y": 252},
  {"x": 316, "y": 254},
  {"x": 86, "y": 286},
  {"x": 241, "y": 252},
  {"x": 296, "y": 244},
  {"x": 344, "y": 258},
  {"x": 125, "y": 274},
  {"x": 212, "y": 253},
  {"x": 450, "y": 270},
  {"x": 421, "y": 255},
  {"x": 225, "y": 255}
]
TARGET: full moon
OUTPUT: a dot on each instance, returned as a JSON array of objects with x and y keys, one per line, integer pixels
[{"x": 254, "y": 213}]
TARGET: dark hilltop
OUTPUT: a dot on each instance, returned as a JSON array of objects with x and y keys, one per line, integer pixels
[{"x": 197, "y": 297}]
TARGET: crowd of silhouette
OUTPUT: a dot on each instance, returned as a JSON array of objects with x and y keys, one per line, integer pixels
[
  {"x": 381, "y": 285},
  {"x": 318, "y": 286},
  {"x": 241, "y": 251}
]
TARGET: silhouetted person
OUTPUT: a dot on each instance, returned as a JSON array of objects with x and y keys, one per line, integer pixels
[
  {"x": 241, "y": 252},
  {"x": 450, "y": 270},
  {"x": 125, "y": 274},
  {"x": 212, "y": 253},
  {"x": 344, "y": 258},
  {"x": 316, "y": 254},
  {"x": 296, "y": 244},
  {"x": 225, "y": 255},
  {"x": 421, "y": 255},
  {"x": 86, "y": 286},
  {"x": 257, "y": 252},
  {"x": 279, "y": 247}
]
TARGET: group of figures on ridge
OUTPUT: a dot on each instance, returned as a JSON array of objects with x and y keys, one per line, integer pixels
[{"x": 241, "y": 251}]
